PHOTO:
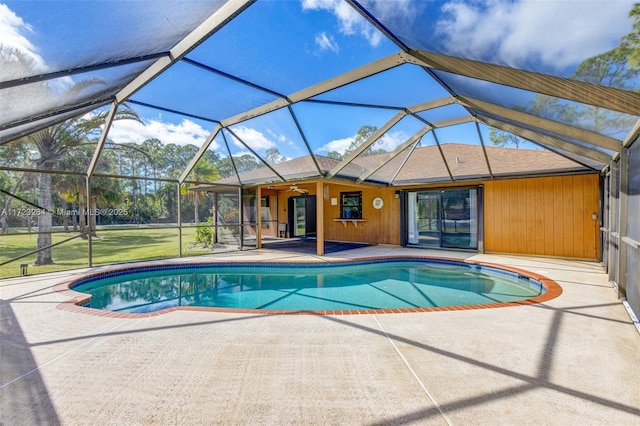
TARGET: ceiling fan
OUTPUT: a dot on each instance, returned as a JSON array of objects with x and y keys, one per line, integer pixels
[{"x": 294, "y": 188}]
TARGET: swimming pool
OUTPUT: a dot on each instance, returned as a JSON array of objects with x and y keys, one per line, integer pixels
[{"x": 379, "y": 285}]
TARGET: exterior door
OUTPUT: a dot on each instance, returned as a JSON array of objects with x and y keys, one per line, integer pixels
[
  {"x": 429, "y": 218},
  {"x": 302, "y": 216},
  {"x": 443, "y": 218}
]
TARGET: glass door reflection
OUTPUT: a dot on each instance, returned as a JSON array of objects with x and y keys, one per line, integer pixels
[{"x": 443, "y": 218}]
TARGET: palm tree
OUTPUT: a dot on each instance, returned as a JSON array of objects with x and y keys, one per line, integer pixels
[{"x": 53, "y": 144}]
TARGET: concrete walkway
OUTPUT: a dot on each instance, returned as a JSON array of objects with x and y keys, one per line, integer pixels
[{"x": 572, "y": 360}]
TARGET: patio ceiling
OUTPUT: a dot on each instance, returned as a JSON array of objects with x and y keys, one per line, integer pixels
[{"x": 236, "y": 70}]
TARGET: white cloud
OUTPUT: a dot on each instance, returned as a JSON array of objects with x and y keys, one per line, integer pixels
[
  {"x": 338, "y": 145},
  {"x": 402, "y": 11},
  {"x": 282, "y": 139},
  {"x": 351, "y": 23},
  {"x": 388, "y": 142},
  {"x": 558, "y": 33},
  {"x": 252, "y": 137},
  {"x": 187, "y": 132},
  {"x": 326, "y": 42},
  {"x": 13, "y": 31}
]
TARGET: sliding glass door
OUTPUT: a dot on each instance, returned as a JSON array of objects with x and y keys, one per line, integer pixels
[
  {"x": 302, "y": 216},
  {"x": 424, "y": 218},
  {"x": 443, "y": 218}
]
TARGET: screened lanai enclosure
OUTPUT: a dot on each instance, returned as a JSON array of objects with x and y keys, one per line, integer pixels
[{"x": 147, "y": 129}]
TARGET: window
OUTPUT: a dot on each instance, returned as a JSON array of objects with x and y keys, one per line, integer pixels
[{"x": 351, "y": 205}]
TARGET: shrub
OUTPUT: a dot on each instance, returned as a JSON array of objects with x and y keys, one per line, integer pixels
[{"x": 204, "y": 233}]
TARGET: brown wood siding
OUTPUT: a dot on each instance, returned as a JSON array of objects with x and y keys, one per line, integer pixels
[
  {"x": 549, "y": 216},
  {"x": 381, "y": 226}
]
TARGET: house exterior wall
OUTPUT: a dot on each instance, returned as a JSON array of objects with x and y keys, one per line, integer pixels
[
  {"x": 548, "y": 216},
  {"x": 380, "y": 226}
]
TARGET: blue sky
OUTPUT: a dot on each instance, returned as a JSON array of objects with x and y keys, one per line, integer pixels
[{"x": 287, "y": 45}]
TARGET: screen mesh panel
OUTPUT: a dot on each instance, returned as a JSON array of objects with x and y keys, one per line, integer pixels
[{"x": 633, "y": 223}]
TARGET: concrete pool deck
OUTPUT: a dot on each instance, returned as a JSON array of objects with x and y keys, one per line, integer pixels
[{"x": 574, "y": 359}]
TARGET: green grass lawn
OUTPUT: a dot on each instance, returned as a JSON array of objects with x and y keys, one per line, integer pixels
[{"x": 111, "y": 247}]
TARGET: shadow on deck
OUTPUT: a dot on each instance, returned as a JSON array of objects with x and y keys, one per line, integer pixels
[{"x": 308, "y": 246}]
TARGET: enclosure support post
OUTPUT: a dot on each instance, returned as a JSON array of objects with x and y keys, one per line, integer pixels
[
  {"x": 215, "y": 218},
  {"x": 623, "y": 212},
  {"x": 240, "y": 216},
  {"x": 179, "y": 218},
  {"x": 88, "y": 223},
  {"x": 259, "y": 218},
  {"x": 320, "y": 218}
]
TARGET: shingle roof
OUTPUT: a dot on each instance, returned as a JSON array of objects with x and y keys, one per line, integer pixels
[{"x": 425, "y": 165}]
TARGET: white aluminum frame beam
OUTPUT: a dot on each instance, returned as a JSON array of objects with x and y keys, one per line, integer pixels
[
  {"x": 610, "y": 98},
  {"x": 561, "y": 129},
  {"x": 437, "y": 103},
  {"x": 349, "y": 77},
  {"x": 404, "y": 162},
  {"x": 103, "y": 138},
  {"x": 453, "y": 121},
  {"x": 366, "y": 144},
  {"x": 393, "y": 154},
  {"x": 547, "y": 140},
  {"x": 633, "y": 135},
  {"x": 199, "y": 154}
]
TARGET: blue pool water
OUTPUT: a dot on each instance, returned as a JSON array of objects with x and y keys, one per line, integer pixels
[{"x": 383, "y": 284}]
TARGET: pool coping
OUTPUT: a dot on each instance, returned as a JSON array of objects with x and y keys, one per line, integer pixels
[{"x": 77, "y": 299}]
